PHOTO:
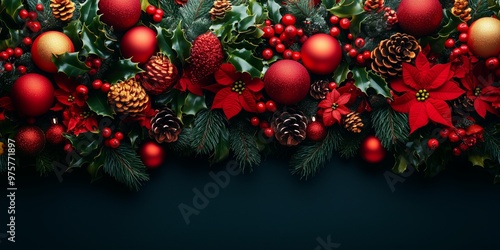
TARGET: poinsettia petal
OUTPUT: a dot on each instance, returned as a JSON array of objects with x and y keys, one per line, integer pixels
[
  {"x": 480, "y": 107},
  {"x": 226, "y": 75},
  {"x": 399, "y": 85},
  {"x": 403, "y": 103},
  {"x": 231, "y": 106},
  {"x": 334, "y": 96},
  {"x": 437, "y": 76},
  {"x": 337, "y": 117},
  {"x": 343, "y": 99},
  {"x": 447, "y": 91},
  {"x": 343, "y": 110},
  {"x": 254, "y": 84},
  {"x": 247, "y": 101},
  {"x": 325, "y": 104},
  {"x": 418, "y": 116},
  {"x": 438, "y": 111},
  {"x": 412, "y": 76},
  {"x": 422, "y": 63},
  {"x": 490, "y": 94},
  {"x": 328, "y": 118},
  {"x": 220, "y": 97},
  {"x": 214, "y": 87}
]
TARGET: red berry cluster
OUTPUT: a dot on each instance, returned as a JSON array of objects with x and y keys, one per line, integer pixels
[
  {"x": 156, "y": 13},
  {"x": 262, "y": 107},
  {"x": 464, "y": 138},
  {"x": 352, "y": 50},
  {"x": 461, "y": 49},
  {"x": 98, "y": 84},
  {"x": 31, "y": 16},
  {"x": 281, "y": 36},
  {"x": 94, "y": 64},
  {"x": 8, "y": 56},
  {"x": 112, "y": 142}
]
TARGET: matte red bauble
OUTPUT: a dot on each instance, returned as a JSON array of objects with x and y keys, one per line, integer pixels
[
  {"x": 152, "y": 154},
  {"x": 32, "y": 94},
  {"x": 287, "y": 82},
  {"x": 316, "y": 131},
  {"x": 138, "y": 43},
  {"x": 54, "y": 133},
  {"x": 372, "y": 150},
  {"x": 121, "y": 14},
  {"x": 29, "y": 140},
  {"x": 47, "y": 44},
  {"x": 420, "y": 18},
  {"x": 484, "y": 38},
  {"x": 321, "y": 54}
]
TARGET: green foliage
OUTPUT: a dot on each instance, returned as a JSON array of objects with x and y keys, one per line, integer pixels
[
  {"x": 85, "y": 143},
  {"x": 195, "y": 17},
  {"x": 72, "y": 31},
  {"x": 11, "y": 7},
  {"x": 301, "y": 9},
  {"x": 480, "y": 8},
  {"x": 183, "y": 144},
  {"x": 45, "y": 160},
  {"x": 244, "y": 145},
  {"x": 125, "y": 166},
  {"x": 69, "y": 64},
  {"x": 390, "y": 127},
  {"x": 367, "y": 79},
  {"x": 437, "y": 41},
  {"x": 122, "y": 70},
  {"x": 308, "y": 106},
  {"x": 350, "y": 147},
  {"x": 347, "y": 8},
  {"x": 98, "y": 103},
  {"x": 180, "y": 44},
  {"x": 209, "y": 126},
  {"x": 244, "y": 61},
  {"x": 492, "y": 142},
  {"x": 273, "y": 9},
  {"x": 222, "y": 149}
]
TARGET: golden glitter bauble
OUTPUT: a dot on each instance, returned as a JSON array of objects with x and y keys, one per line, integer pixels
[
  {"x": 484, "y": 38},
  {"x": 47, "y": 44}
]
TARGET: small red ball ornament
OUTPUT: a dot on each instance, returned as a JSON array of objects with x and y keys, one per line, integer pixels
[
  {"x": 372, "y": 150},
  {"x": 139, "y": 43},
  {"x": 316, "y": 131},
  {"x": 121, "y": 14},
  {"x": 152, "y": 154},
  {"x": 287, "y": 82},
  {"x": 29, "y": 140},
  {"x": 321, "y": 54},
  {"x": 48, "y": 44},
  {"x": 32, "y": 94},
  {"x": 54, "y": 133},
  {"x": 420, "y": 18}
]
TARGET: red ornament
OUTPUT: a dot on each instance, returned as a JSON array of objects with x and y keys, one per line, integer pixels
[
  {"x": 29, "y": 140},
  {"x": 321, "y": 54},
  {"x": 420, "y": 18},
  {"x": 48, "y": 44},
  {"x": 32, "y": 94},
  {"x": 152, "y": 154},
  {"x": 121, "y": 14},
  {"x": 54, "y": 134},
  {"x": 372, "y": 150},
  {"x": 139, "y": 43},
  {"x": 287, "y": 82},
  {"x": 316, "y": 131}
]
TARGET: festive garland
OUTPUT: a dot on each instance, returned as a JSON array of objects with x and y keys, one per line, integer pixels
[{"x": 114, "y": 85}]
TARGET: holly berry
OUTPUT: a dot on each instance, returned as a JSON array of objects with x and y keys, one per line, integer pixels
[
  {"x": 444, "y": 133},
  {"x": 82, "y": 90},
  {"x": 335, "y": 32},
  {"x": 492, "y": 63},
  {"x": 332, "y": 86},
  {"x": 160, "y": 12},
  {"x": 453, "y": 137},
  {"x": 464, "y": 48},
  {"x": 106, "y": 132},
  {"x": 35, "y": 26},
  {"x": 283, "y": 37},
  {"x": 471, "y": 141},
  {"x": 151, "y": 10},
  {"x": 10, "y": 51},
  {"x": 23, "y": 14},
  {"x": 280, "y": 48},
  {"x": 353, "y": 53},
  {"x": 268, "y": 132},
  {"x": 457, "y": 151},
  {"x": 27, "y": 41},
  {"x": 288, "y": 19},
  {"x": 39, "y": 7},
  {"x": 457, "y": 51},
  {"x": 279, "y": 28},
  {"x": 290, "y": 31},
  {"x": 4, "y": 55},
  {"x": 254, "y": 121},
  {"x": 303, "y": 39},
  {"x": 463, "y": 146},
  {"x": 268, "y": 22},
  {"x": 261, "y": 107},
  {"x": 461, "y": 132},
  {"x": 273, "y": 41},
  {"x": 433, "y": 144},
  {"x": 114, "y": 143},
  {"x": 360, "y": 42},
  {"x": 367, "y": 55},
  {"x": 300, "y": 32},
  {"x": 463, "y": 37},
  {"x": 347, "y": 47},
  {"x": 105, "y": 87},
  {"x": 264, "y": 124},
  {"x": 157, "y": 18},
  {"x": 288, "y": 54},
  {"x": 21, "y": 69},
  {"x": 32, "y": 15},
  {"x": 68, "y": 148},
  {"x": 271, "y": 106},
  {"x": 119, "y": 135},
  {"x": 296, "y": 56},
  {"x": 449, "y": 43},
  {"x": 350, "y": 36},
  {"x": 344, "y": 23},
  {"x": 92, "y": 72},
  {"x": 8, "y": 67},
  {"x": 334, "y": 20},
  {"x": 360, "y": 59},
  {"x": 18, "y": 52},
  {"x": 267, "y": 54},
  {"x": 96, "y": 63},
  {"x": 97, "y": 84},
  {"x": 463, "y": 28},
  {"x": 268, "y": 32}
]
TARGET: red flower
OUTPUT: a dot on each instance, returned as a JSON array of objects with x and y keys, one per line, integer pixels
[
  {"x": 356, "y": 96},
  {"x": 185, "y": 84},
  {"x": 333, "y": 107},
  {"x": 235, "y": 91},
  {"x": 479, "y": 86},
  {"x": 66, "y": 95},
  {"x": 79, "y": 120},
  {"x": 425, "y": 90},
  {"x": 144, "y": 118}
]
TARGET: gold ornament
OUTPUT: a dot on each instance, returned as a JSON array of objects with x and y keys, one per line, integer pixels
[
  {"x": 128, "y": 97},
  {"x": 48, "y": 44},
  {"x": 62, "y": 9},
  {"x": 389, "y": 56},
  {"x": 484, "y": 38},
  {"x": 461, "y": 9},
  {"x": 220, "y": 8}
]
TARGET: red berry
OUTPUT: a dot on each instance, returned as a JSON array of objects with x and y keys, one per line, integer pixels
[
  {"x": 290, "y": 31},
  {"x": 119, "y": 135},
  {"x": 344, "y": 23},
  {"x": 114, "y": 143},
  {"x": 68, "y": 148},
  {"x": 18, "y": 52},
  {"x": 160, "y": 12},
  {"x": 280, "y": 48},
  {"x": 457, "y": 51},
  {"x": 273, "y": 41},
  {"x": 456, "y": 151},
  {"x": 347, "y": 47},
  {"x": 151, "y": 10},
  {"x": 334, "y": 20},
  {"x": 4, "y": 55},
  {"x": 464, "y": 48},
  {"x": 105, "y": 87},
  {"x": 271, "y": 106},
  {"x": 268, "y": 32},
  {"x": 350, "y": 36},
  {"x": 268, "y": 22},
  {"x": 279, "y": 28},
  {"x": 471, "y": 141},
  {"x": 27, "y": 41},
  {"x": 23, "y": 14},
  {"x": 463, "y": 147},
  {"x": 463, "y": 28},
  {"x": 8, "y": 67},
  {"x": 288, "y": 54},
  {"x": 449, "y": 43},
  {"x": 10, "y": 51},
  {"x": 21, "y": 69},
  {"x": 283, "y": 38},
  {"x": 360, "y": 42},
  {"x": 360, "y": 59},
  {"x": 492, "y": 63},
  {"x": 39, "y": 7},
  {"x": 296, "y": 55},
  {"x": 106, "y": 132},
  {"x": 92, "y": 72},
  {"x": 96, "y": 63},
  {"x": 254, "y": 121},
  {"x": 463, "y": 37},
  {"x": 444, "y": 133},
  {"x": 353, "y": 53},
  {"x": 267, "y": 54},
  {"x": 35, "y": 26},
  {"x": 332, "y": 85},
  {"x": 453, "y": 137},
  {"x": 88, "y": 64},
  {"x": 303, "y": 39},
  {"x": 300, "y": 32},
  {"x": 334, "y": 31},
  {"x": 268, "y": 132},
  {"x": 288, "y": 19},
  {"x": 32, "y": 15},
  {"x": 433, "y": 144},
  {"x": 157, "y": 18},
  {"x": 367, "y": 55},
  {"x": 461, "y": 132},
  {"x": 97, "y": 84},
  {"x": 261, "y": 107},
  {"x": 82, "y": 90},
  {"x": 264, "y": 124}
]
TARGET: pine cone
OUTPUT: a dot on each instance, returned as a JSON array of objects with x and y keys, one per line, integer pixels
[
  {"x": 159, "y": 74},
  {"x": 353, "y": 123},
  {"x": 128, "y": 97},
  {"x": 165, "y": 126},
  {"x": 220, "y": 8},
  {"x": 463, "y": 106},
  {"x": 206, "y": 56},
  {"x": 388, "y": 57},
  {"x": 290, "y": 127},
  {"x": 62, "y": 9},
  {"x": 319, "y": 89},
  {"x": 461, "y": 9},
  {"x": 391, "y": 17},
  {"x": 373, "y": 5}
]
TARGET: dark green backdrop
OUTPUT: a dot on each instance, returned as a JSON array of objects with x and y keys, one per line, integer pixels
[{"x": 348, "y": 204}]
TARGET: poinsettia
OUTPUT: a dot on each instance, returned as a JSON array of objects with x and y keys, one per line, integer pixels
[
  {"x": 424, "y": 92},
  {"x": 79, "y": 120},
  {"x": 479, "y": 86},
  {"x": 333, "y": 107},
  {"x": 235, "y": 91},
  {"x": 66, "y": 94},
  {"x": 356, "y": 96},
  {"x": 144, "y": 118},
  {"x": 185, "y": 84}
]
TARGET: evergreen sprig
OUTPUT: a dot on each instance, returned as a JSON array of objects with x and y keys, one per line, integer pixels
[
  {"x": 45, "y": 160},
  {"x": 301, "y": 9},
  {"x": 391, "y": 127},
  {"x": 195, "y": 17},
  {"x": 492, "y": 142},
  {"x": 244, "y": 145},
  {"x": 480, "y": 8},
  {"x": 183, "y": 145},
  {"x": 207, "y": 130}
]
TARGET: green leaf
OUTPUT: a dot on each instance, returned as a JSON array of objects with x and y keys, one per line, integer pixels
[
  {"x": 258, "y": 11},
  {"x": 122, "y": 70},
  {"x": 164, "y": 39},
  {"x": 88, "y": 11},
  {"x": 125, "y": 166},
  {"x": 222, "y": 149},
  {"x": 207, "y": 129},
  {"x": 72, "y": 30},
  {"x": 366, "y": 80},
  {"x": 180, "y": 44},
  {"x": 85, "y": 143},
  {"x": 96, "y": 165},
  {"x": 478, "y": 160},
  {"x": 341, "y": 72},
  {"x": 480, "y": 8},
  {"x": 45, "y": 159},
  {"x": 11, "y": 7},
  {"x": 244, "y": 61},
  {"x": 98, "y": 103},
  {"x": 92, "y": 44},
  {"x": 69, "y": 64},
  {"x": 16, "y": 36},
  {"x": 193, "y": 104},
  {"x": 401, "y": 165},
  {"x": 347, "y": 8},
  {"x": 274, "y": 11}
]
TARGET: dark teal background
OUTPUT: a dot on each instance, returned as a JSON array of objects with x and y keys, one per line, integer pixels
[{"x": 266, "y": 209}]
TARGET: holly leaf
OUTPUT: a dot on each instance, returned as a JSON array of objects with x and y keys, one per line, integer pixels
[
  {"x": 88, "y": 11},
  {"x": 15, "y": 37},
  {"x": 96, "y": 165},
  {"x": 122, "y": 70},
  {"x": 11, "y": 7},
  {"x": 244, "y": 61},
  {"x": 347, "y": 8},
  {"x": 341, "y": 72},
  {"x": 72, "y": 30},
  {"x": 401, "y": 165},
  {"x": 193, "y": 104},
  {"x": 478, "y": 160},
  {"x": 366, "y": 80},
  {"x": 69, "y": 64},
  {"x": 164, "y": 39},
  {"x": 180, "y": 44},
  {"x": 92, "y": 44},
  {"x": 274, "y": 11},
  {"x": 85, "y": 143},
  {"x": 98, "y": 102}
]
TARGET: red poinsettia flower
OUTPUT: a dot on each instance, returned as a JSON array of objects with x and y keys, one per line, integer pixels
[
  {"x": 79, "y": 120},
  {"x": 235, "y": 91},
  {"x": 424, "y": 92},
  {"x": 462, "y": 65},
  {"x": 66, "y": 94},
  {"x": 185, "y": 84},
  {"x": 144, "y": 118},
  {"x": 356, "y": 96},
  {"x": 479, "y": 86},
  {"x": 332, "y": 108}
]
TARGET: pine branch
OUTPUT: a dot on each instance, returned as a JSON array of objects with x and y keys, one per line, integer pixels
[
  {"x": 301, "y": 9},
  {"x": 492, "y": 142},
  {"x": 350, "y": 148},
  {"x": 125, "y": 166},
  {"x": 480, "y": 8},
  {"x": 195, "y": 15},
  {"x": 243, "y": 145},
  {"x": 45, "y": 160},
  {"x": 208, "y": 126},
  {"x": 390, "y": 126},
  {"x": 183, "y": 145}
]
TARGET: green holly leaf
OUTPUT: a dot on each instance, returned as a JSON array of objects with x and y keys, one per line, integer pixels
[
  {"x": 258, "y": 11},
  {"x": 92, "y": 45},
  {"x": 16, "y": 36},
  {"x": 244, "y": 61},
  {"x": 437, "y": 41},
  {"x": 193, "y": 104},
  {"x": 72, "y": 30},
  {"x": 180, "y": 44},
  {"x": 164, "y": 39},
  {"x": 401, "y": 165},
  {"x": 96, "y": 165},
  {"x": 69, "y": 64},
  {"x": 88, "y": 11},
  {"x": 478, "y": 160},
  {"x": 98, "y": 103},
  {"x": 11, "y": 7},
  {"x": 347, "y": 8},
  {"x": 366, "y": 80},
  {"x": 85, "y": 143},
  {"x": 274, "y": 11},
  {"x": 122, "y": 70},
  {"x": 341, "y": 72}
]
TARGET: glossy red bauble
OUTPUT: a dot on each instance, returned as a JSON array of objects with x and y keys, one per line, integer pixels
[
  {"x": 54, "y": 133},
  {"x": 287, "y": 82},
  {"x": 120, "y": 14},
  {"x": 321, "y": 54},
  {"x": 420, "y": 18},
  {"x": 139, "y": 43},
  {"x": 372, "y": 150},
  {"x": 29, "y": 140},
  {"x": 152, "y": 154},
  {"x": 316, "y": 131},
  {"x": 32, "y": 94}
]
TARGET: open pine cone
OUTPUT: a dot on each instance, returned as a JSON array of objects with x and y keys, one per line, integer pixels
[
  {"x": 62, "y": 9},
  {"x": 128, "y": 97},
  {"x": 159, "y": 74},
  {"x": 290, "y": 127},
  {"x": 373, "y": 5},
  {"x": 220, "y": 8},
  {"x": 319, "y": 89},
  {"x": 165, "y": 126},
  {"x": 461, "y": 9},
  {"x": 353, "y": 123},
  {"x": 389, "y": 56}
]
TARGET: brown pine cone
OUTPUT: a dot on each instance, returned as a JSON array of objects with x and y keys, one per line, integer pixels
[
  {"x": 128, "y": 97},
  {"x": 373, "y": 5},
  {"x": 290, "y": 127},
  {"x": 388, "y": 57},
  {"x": 353, "y": 123},
  {"x": 319, "y": 89},
  {"x": 165, "y": 126},
  {"x": 220, "y": 8},
  {"x": 461, "y": 9},
  {"x": 159, "y": 74},
  {"x": 62, "y": 9},
  {"x": 463, "y": 106}
]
